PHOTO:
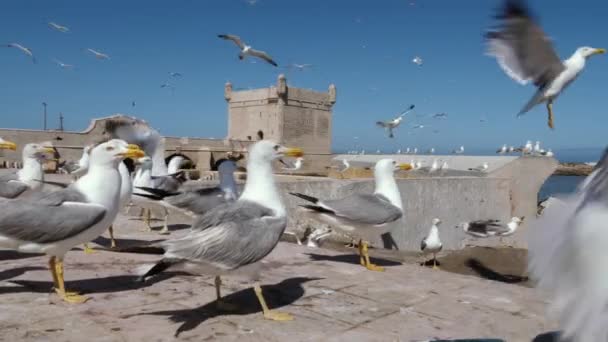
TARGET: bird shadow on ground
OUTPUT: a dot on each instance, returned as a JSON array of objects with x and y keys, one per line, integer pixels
[
  {"x": 351, "y": 259},
  {"x": 14, "y": 255},
  {"x": 551, "y": 336},
  {"x": 277, "y": 295},
  {"x": 109, "y": 284},
  {"x": 123, "y": 244},
  {"x": 15, "y": 272},
  {"x": 487, "y": 273},
  {"x": 429, "y": 263}
]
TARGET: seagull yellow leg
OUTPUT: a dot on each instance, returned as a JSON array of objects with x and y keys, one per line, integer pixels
[
  {"x": 368, "y": 263},
  {"x": 53, "y": 272},
  {"x": 112, "y": 241},
  {"x": 147, "y": 219},
  {"x": 270, "y": 314},
  {"x": 550, "y": 110},
  {"x": 361, "y": 258},
  {"x": 221, "y": 305},
  {"x": 70, "y": 297},
  {"x": 435, "y": 262},
  {"x": 165, "y": 229},
  {"x": 87, "y": 249}
]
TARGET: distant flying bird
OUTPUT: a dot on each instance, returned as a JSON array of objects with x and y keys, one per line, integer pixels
[
  {"x": 459, "y": 150},
  {"x": 252, "y": 2},
  {"x": 98, "y": 54},
  {"x": 22, "y": 49},
  {"x": 58, "y": 27},
  {"x": 133, "y": 104},
  {"x": 394, "y": 123},
  {"x": 63, "y": 65},
  {"x": 488, "y": 228},
  {"x": 175, "y": 74},
  {"x": 417, "y": 60},
  {"x": 417, "y": 126},
  {"x": 526, "y": 55},
  {"x": 440, "y": 116},
  {"x": 246, "y": 50},
  {"x": 168, "y": 85},
  {"x": 300, "y": 67}
]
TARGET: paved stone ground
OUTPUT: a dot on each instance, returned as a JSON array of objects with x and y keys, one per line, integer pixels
[{"x": 330, "y": 295}]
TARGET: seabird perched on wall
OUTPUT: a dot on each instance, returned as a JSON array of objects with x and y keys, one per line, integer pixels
[
  {"x": 525, "y": 53},
  {"x": 53, "y": 223},
  {"x": 366, "y": 216},
  {"x": 567, "y": 257},
  {"x": 232, "y": 238},
  {"x": 30, "y": 177},
  {"x": 431, "y": 243},
  {"x": 246, "y": 50}
]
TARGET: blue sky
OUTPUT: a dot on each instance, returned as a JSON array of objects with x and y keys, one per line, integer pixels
[{"x": 365, "y": 47}]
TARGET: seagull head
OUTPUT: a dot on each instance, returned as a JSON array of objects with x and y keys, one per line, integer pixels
[
  {"x": 436, "y": 222},
  {"x": 386, "y": 167},
  {"x": 518, "y": 220},
  {"x": 39, "y": 151},
  {"x": 112, "y": 152},
  {"x": 587, "y": 51},
  {"x": 7, "y": 145},
  {"x": 266, "y": 150}
]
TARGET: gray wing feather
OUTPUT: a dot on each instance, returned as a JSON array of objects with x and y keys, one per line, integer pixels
[
  {"x": 235, "y": 39},
  {"x": 10, "y": 187},
  {"x": 198, "y": 202},
  {"x": 46, "y": 219},
  {"x": 486, "y": 226},
  {"x": 365, "y": 209},
  {"x": 263, "y": 55},
  {"x": 166, "y": 183},
  {"x": 230, "y": 236}
]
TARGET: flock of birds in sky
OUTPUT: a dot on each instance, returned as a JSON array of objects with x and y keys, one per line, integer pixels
[{"x": 236, "y": 228}]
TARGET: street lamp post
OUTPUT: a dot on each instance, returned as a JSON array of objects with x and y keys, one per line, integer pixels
[{"x": 44, "y": 104}]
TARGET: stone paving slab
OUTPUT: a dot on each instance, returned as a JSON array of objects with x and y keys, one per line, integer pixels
[{"x": 331, "y": 296}]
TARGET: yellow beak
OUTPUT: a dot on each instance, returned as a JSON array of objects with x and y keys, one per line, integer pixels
[
  {"x": 47, "y": 149},
  {"x": 599, "y": 51},
  {"x": 7, "y": 145},
  {"x": 405, "y": 166},
  {"x": 133, "y": 151},
  {"x": 294, "y": 152}
]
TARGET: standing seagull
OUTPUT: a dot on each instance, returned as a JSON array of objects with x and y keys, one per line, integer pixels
[
  {"x": 366, "y": 216},
  {"x": 459, "y": 150},
  {"x": 567, "y": 253},
  {"x": 22, "y": 49},
  {"x": 31, "y": 176},
  {"x": 296, "y": 165},
  {"x": 525, "y": 54},
  {"x": 394, "y": 123},
  {"x": 57, "y": 27},
  {"x": 234, "y": 237},
  {"x": 98, "y": 54},
  {"x": 246, "y": 50},
  {"x": 431, "y": 243},
  {"x": 53, "y": 223}
]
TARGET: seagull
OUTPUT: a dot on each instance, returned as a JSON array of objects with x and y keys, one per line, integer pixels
[
  {"x": 567, "y": 249},
  {"x": 548, "y": 153},
  {"x": 526, "y": 55},
  {"x": 417, "y": 60},
  {"x": 444, "y": 166},
  {"x": 53, "y": 223},
  {"x": 296, "y": 165},
  {"x": 415, "y": 151},
  {"x": 526, "y": 149},
  {"x": 98, "y": 54},
  {"x": 22, "y": 49},
  {"x": 394, "y": 123},
  {"x": 440, "y": 116},
  {"x": 536, "y": 149},
  {"x": 83, "y": 164},
  {"x": 511, "y": 149},
  {"x": 194, "y": 199},
  {"x": 175, "y": 74},
  {"x": 488, "y": 228},
  {"x": 482, "y": 168},
  {"x": 235, "y": 237},
  {"x": 417, "y": 126},
  {"x": 246, "y": 50},
  {"x": 431, "y": 243},
  {"x": 346, "y": 165},
  {"x": 407, "y": 151},
  {"x": 431, "y": 150},
  {"x": 364, "y": 215},
  {"x": 63, "y": 65},
  {"x": 144, "y": 179},
  {"x": 7, "y": 145},
  {"x": 58, "y": 27},
  {"x": 300, "y": 67},
  {"x": 502, "y": 150},
  {"x": 31, "y": 176},
  {"x": 175, "y": 164},
  {"x": 434, "y": 166},
  {"x": 459, "y": 150}
]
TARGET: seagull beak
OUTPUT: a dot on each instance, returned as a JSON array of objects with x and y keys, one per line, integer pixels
[
  {"x": 133, "y": 151},
  {"x": 404, "y": 166},
  {"x": 7, "y": 145},
  {"x": 48, "y": 149},
  {"x": 293, "y": 152},
  {"x": 599, "y": 51}
]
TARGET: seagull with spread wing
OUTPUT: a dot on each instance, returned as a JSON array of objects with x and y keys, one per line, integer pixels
[
  {"x": 57, "y": 27},
  {"x": 247, "y": 50},
  {"x": 98, "y": 54},
  {"x": 394, "y": 123},
  {"x": 525, "y": 53},
  {"x": 22, "y": 49}
]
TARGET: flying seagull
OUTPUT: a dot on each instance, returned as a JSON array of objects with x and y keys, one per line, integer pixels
[
  {"x": 53, "y": 223},
  {"x": 567, "y": 249},
  {"x": 246, "y": 50},
  {"x": 431, "y": 243},
  {"x": 366, "y": 216},
  {"x": 63, "y": 65},
  {"x": 98, "y": 54},
  {"x": 440, "y": 116},
  {"x": 488, "y": 228},
  {"x": 525, "y": 53},
  {"x": 58, "y": 27},
  {"x": 394, "y": 123},
  {"x": 417, "y": 60},
  {"x": 22, "y": 49},
  {"x": 300, "y": 67},
  {"x": 234, "y": 237},
  {"x": 175, "y": 74}
]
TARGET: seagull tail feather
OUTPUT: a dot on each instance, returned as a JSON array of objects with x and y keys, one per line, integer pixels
[
  {"x": 318, "y": 209},
  {"x": 536, "y": 99},
  {"x": 305, "y": 197},
  {"x": 157, "y": 268},
  {"x": 156, "y": 194}
]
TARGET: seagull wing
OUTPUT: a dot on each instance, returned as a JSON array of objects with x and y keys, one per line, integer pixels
[
  {"x": 522, "y": 49},
  {"x": 235, "y": 39},
  {"x": 263, "y": 55},
  {"x": 381, "y": 124}
]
